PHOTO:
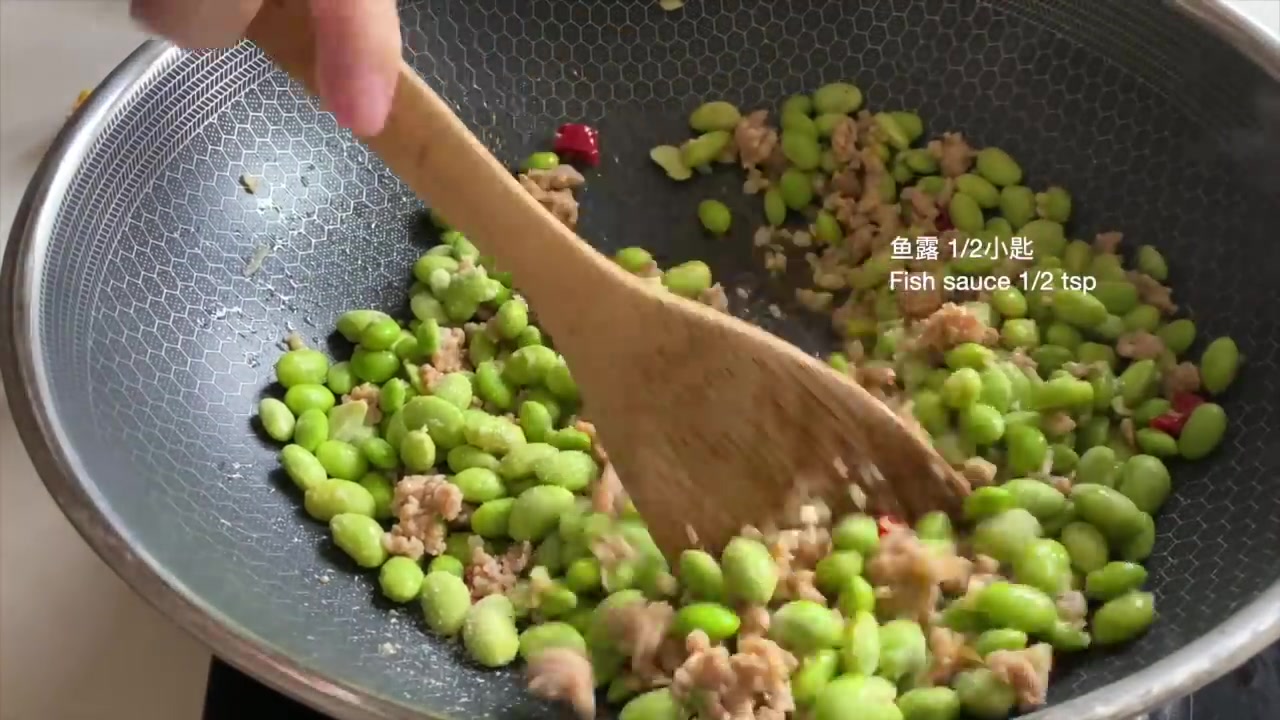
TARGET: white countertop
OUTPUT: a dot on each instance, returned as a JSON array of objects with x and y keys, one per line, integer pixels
[{"x": 78, "y": 645}]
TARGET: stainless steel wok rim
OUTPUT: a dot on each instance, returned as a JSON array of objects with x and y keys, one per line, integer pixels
[{"x": 1233, "y": 642}]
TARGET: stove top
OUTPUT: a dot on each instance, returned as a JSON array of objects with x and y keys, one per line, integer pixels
[{"x": 1251, "y": 692}]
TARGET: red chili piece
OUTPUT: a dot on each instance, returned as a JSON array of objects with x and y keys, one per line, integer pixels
[
  {"x": 1185, "y": 402},
  {"x": 887, "y": 524},
  {"x": 1180, "y": 409},
  {"x": 1170, "y": 423},
  {"x": 943, "y": 221},
  {"x": 578, "y": 143}
]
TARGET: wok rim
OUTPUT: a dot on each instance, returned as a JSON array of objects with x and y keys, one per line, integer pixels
[{"x": 1233, "y": 642}]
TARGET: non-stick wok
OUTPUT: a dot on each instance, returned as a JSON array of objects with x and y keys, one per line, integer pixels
[{"x": 145, "y": 292}]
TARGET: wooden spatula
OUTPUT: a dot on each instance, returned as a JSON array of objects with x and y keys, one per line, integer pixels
[{"x": 710, "y": 422}]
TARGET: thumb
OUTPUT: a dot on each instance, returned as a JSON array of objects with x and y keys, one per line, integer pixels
[
  {"x": 357, "y": 60},
  {"x": 196, "y": 24}
]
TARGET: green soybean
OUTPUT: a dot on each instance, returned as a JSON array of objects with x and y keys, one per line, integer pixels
[
  {"x": 537, "y": 512},
  {"x": 717, "y": 621},
  {"x": 1000, "y": 639},
  {"x": 1107, "y": 509},
  {"x": 446, "y": 601},
  {"x": 903, "y": 650},
  {"x": 1146, "y": 481},
  {"x": 490, "y": 636},
  {"x": 302, "y": 467},
  {"x": 1123, "y": 618},
  {"x": 1219, "y": 365},
  {"x": 983, "y": 695},
  {"x": 837, "y": 97},
  {"x": 277, "y": 419},
  {"x": 331, "y": 497},
  {"x": 1203, "y": 431},
  {"x": 750, "y": 575},
  {"x": 930, "y": 703},
  {"x": 998, "y": 167},
  {"x": 715, "y": 216},
  {"x": 360, "y": 537},
  {"x": 400, "y": 579}
]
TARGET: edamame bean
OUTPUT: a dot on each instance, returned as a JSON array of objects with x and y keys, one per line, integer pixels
[
  {"x": 989, "y": 501},
  {"x": 417, "y": 451},
  {"x": 353, "y": 322},
  {"x": 333, "y": 497},
  {"x": 1062, "y": 392},
  {"x": 446, "y": 564},
  {"x": 1036, "y": 497},
  {"x": 537, "y": 512},
  {"x": 1086, "y": 546},
  {"x": 983, "y": 695},
  {"x": 549, "y": 635},
  {"x": 455, "y": 389},
  {"x": 775, "y": 207},
  {"x": 1027, "y": 448},
  {"x": 1157, "y": 443},
  {"x": 965, "y": 213},
  {"x": 302, "y": 367},
  {"x": 837, "y": 97},
  {"x": 796, "y": 188},
  {"x": 360, "y": 537},
  {"x": 479, "y": 485},
  {"x": 1017, "y": 606},
  {"x": 520, "y": 463},
  {"x": 812, "y": 676},
  {"x": 1203, "y": 431},
  {"x": 379, "y": 453},
  {"x": 1138, "y": 382},
  {"x": 1003, "y": 536},
  {"x": 935, "y": 525},
  {"x": 979, "y": 189},
  {"x": 802, "y": 148},
  {"x": 1113, "y": 580},
  {"x": 934, "y": 703},
  {"x": 375, "y": 366},
  {"x": 700, "y": 575},
  {"x": 1064, "y": 636},
  {"x": 834, "y": 571},
  {"x": 671, "y": 160},
  {"x": 303, "y": 397},
  {"x": 750, "y": 575},
  {"x": 654, "y": 705},
  {"x": 715, "y": 216},
  {"x": 717, "y": 621},
  {"x": 1000, "y": 639},
  {"x": 1152, "y": 263},
  {"x": 715, "y": 115},
  {"x": 400, "y": 579},
  {"x": 1138, "y": 547},
  {"x": 1109, "y": 510},
  {"x": 570, "y": 469},
  {"x": 857, "y": 596},
  {"x": 1098, "y": 466},
  {"x": 827, "y": 229},
  {"x": 1009, "y": 302},
  {"x": 1178, "y": 335},
  {"x": 1123, "y": 618},
  {"x": 962, "y": 388},
  {"x": 1218, "y": 365},
  {"x": 276, "y": 419},
  {"x": 704, "y": 149},
  {"x": 383, "y": 491},
  {"x": 688, "y": 279},
  {"x": 466, "y": 456},
  {"x": 1018, "y": 206},
  {"x": 998, "y": 167},
  {"x": 1146, "y": 481},
  {"x": 1054, "y": 204},
  {"x": 302, "y": 467},
  {"x": 446, "y": 602},
  {"x": 340, "y": 380},
  {"x": 1019, "y": 333},
  {"x": 903, "y": 650},
  {"x": 1044, "y": 564},
  {"x": 490, "y": 636},
  {"x": 1119, "y": 296},
  {"x": 860, "y": 651},
  {"x": 583, "y": 575}
]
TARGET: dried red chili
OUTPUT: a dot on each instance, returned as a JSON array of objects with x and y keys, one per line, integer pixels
[
  {"x": 578, "y": 143},
  {"x": 1181, "y": 405},
  {"x": 886, "y": 524},
  {"x": 1185, "y": 402},
  {"x": 1170, "y": 423}
]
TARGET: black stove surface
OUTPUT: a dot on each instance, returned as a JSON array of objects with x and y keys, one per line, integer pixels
[{"x": 1252, "y": 692}]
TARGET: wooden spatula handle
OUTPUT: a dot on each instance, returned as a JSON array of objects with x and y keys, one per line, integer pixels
[{"x": 432, "y": 151}]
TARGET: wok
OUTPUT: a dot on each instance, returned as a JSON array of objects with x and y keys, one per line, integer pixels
[{"x": 138, "y": 333}]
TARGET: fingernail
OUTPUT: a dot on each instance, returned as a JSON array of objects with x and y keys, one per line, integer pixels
[{"x": 362, "y": 99}]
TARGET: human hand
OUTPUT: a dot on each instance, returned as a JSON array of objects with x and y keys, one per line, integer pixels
[{"x": 357, "y": 47}]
